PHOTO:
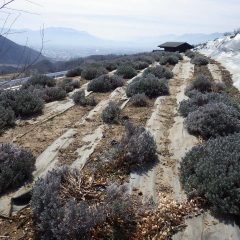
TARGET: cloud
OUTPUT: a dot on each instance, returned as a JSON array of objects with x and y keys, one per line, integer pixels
[{"x": 128, "y": 19}]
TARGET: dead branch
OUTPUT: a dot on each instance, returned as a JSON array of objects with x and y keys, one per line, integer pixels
[{"x": 5, "y": 4}]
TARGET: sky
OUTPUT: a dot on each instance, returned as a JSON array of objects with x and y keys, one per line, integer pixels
[{"x": 127, "y": 19}]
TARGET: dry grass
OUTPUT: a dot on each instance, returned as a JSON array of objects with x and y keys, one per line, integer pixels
[
  {"x": 164, "y": 221},
  {"x": 81, "y": 187}
]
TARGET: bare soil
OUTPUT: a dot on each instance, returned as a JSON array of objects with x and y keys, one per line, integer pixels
[
  {"x": 41, "y": 136},
  {"x": 19, "y": 227}
]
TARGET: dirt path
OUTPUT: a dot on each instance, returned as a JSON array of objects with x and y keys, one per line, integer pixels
[
  {"x": 206, "y": 227},
  {"x": 180, "y": 141},
  {"x": 164, "y": 176}
]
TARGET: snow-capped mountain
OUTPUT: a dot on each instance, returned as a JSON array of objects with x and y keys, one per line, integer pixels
[{"x": 226, "y": 50}]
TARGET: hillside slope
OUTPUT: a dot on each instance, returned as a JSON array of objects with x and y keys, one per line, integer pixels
[
  {"x": 226, "y": 50},
  {"x": 12, "y": 53}
]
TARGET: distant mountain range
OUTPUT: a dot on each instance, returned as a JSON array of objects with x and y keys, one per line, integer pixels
[
  {"x": 57, "y": 37},
  {"x": 15, "y": 54},
  {"x": 61, "y": 42}
]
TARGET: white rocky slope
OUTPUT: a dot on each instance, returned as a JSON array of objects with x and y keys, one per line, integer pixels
[{"x": 226, "y": 50}]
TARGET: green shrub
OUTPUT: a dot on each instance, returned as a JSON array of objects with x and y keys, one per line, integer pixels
[
  {"x": 126, "y": 72},
  {"x": 66, "y": 84},
  {"x": 7, "y": 117},
  {"x": 202, "y": 84},
  {"x": 23, "y": 102},
  {"x": 92, "y": 72},
  {"x": 76, "y": 83},
  {"x": 27, "y": 104},
  {"x": 69, "y": 84},
  {"x": 157, "y": 55},
  {"x": 159, "y": 71},
  {"x": 212, "y": 120},
  {"x": 145, "y": 58},
  {"x": 212, "y": 171},
  {"x": 42, "y": 80},
  {"x": 74, "y": 72},
  {"x": 37, "y": 90},
  {"x": 219, "y": 87},
  {"x": 16, "y": 167},
  {"x": 110, "y": 66},
  {"x": 150, "y": 85},
  {"x": 91, "y": 101},
  {"x": 190, "y": 54},
  {"x": 54, "y": 94},
  {"x": 105, "y": 83},
  {"x": 139, "y": 65},
  {"x": 79, "y": 98},
  {"x": 170, "y": 59},
  {"x": 137, "y": 146},
  {"x": 111, "y": 113},
  {"x": 191, "y": 92},
  {"x": 8, "y": 99},
  {"x": 200, "y": 60},
  {"x": 139, "y": 100},
  {"x": 178, "y": 55},
  {"x": 199, "y": 100}
]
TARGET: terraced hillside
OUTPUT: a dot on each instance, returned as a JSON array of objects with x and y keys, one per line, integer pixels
[{"x": 120, "y": 153}]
